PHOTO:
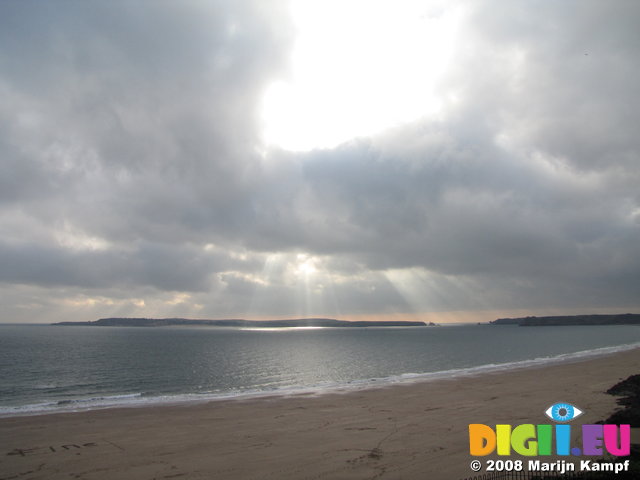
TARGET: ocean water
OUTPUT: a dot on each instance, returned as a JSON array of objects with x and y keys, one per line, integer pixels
[{"x": 53, "y": 368}]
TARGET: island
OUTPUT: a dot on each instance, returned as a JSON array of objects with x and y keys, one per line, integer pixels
[
  {"x": 300, "y": 322},
  {"x": 620, "y": 319}
]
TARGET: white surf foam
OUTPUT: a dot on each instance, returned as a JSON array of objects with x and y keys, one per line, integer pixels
[{"x": 140, "y": 399}]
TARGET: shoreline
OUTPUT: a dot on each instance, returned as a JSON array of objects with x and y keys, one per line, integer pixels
[
  {"x": 412, "y": 430},
  {"x": 138, "y": 400}
]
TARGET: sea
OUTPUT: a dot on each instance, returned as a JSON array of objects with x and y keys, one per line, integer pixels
[{"x": 46, "y": 369}]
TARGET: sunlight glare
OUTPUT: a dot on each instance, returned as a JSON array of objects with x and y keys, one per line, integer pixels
[
  {"x": 305, "y": 265},
  {"x": 358, "y": 68}
]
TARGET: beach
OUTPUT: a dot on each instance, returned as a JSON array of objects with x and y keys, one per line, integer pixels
[{"x": 409, "y": 431}]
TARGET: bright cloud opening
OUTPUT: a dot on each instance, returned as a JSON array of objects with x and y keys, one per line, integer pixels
[{"x": 358, "y": 67}]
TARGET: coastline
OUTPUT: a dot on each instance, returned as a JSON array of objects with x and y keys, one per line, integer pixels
[
  {"x": 402, "y": 430},
  {"x": 138, "y": 400}
]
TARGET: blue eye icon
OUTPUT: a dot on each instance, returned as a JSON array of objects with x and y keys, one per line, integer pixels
[{"x": 563, "y": 412}]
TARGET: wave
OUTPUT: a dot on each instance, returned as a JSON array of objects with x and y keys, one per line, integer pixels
[
  {"x": 516, "y": 365},
  {"x": 140, "y": 399}
]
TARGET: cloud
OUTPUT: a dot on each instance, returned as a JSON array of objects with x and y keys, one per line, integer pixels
[
  {"x": 161, "y": 266},
  {"x": 556, "y": 78},
  {"x": 132, "y": 169},
  {"x": 135, "y": 109}
]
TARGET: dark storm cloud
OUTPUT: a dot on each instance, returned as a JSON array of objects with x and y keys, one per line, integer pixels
[
  {"x": 137, "y": 123},
  {"x": 141, "y": 110},
  {"x": 161, "y": 266}
]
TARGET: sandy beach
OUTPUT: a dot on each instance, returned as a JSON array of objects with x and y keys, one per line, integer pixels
[{"x": 414, "y": 431}]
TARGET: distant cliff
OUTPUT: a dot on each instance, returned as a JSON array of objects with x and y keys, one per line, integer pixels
[
  {"x": 301, "y": 322},
  {"x": 507, "y": 321},
  {"x": 622, "y": 319}
]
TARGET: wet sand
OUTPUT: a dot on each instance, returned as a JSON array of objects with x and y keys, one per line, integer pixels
[{"x": 413, "y": 431}]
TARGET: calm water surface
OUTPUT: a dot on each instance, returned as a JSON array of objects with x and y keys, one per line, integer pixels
[{"x": 48, "y": 368}]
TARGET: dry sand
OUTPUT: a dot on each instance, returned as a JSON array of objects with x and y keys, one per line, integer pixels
[{"x": 416, "y": 431}]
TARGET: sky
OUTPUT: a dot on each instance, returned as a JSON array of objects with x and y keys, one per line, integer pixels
[{"x": 430, "y": 160}]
